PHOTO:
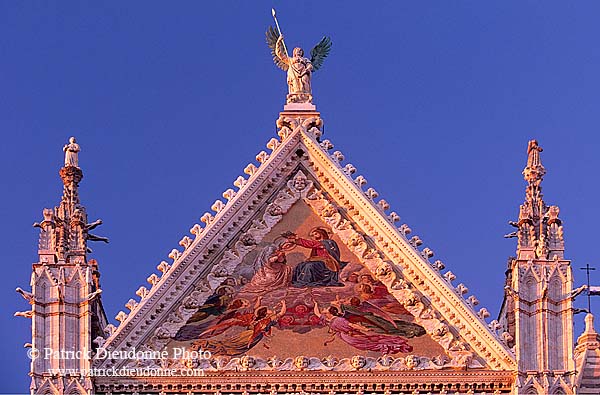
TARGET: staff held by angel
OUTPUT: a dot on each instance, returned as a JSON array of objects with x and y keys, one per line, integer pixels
[{"x": 299, "y": 69}]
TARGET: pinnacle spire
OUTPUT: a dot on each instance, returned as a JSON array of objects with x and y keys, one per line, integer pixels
[
  {"x": 540, "y": 231},
  {"x": 67, "y": 310},
  {"x": 64, "y": 230}
]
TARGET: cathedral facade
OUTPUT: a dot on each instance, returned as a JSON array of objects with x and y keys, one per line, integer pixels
[{"x": 300, "y": 280}]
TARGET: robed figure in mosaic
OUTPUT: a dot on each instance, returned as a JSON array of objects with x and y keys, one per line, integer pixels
[{"x": 323, "y": 266}]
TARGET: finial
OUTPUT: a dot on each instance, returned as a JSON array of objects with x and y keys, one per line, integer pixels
[
  {"x": 535, "y": 171},
  {"x": 539, "y": 230},
  {"x": 589, "y": 323},
  {"x": 71, "y": 153}
]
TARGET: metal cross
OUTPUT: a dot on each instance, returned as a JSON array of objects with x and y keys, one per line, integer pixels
[{"x": 588, "y": 268}]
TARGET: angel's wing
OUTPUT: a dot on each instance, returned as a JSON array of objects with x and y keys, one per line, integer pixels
[
  {"x": 272, "y": 35},
  {"x": 320, "y": 52}
]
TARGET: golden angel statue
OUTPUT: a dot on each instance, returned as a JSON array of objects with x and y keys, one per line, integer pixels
[{"x": 299, "y": 69}]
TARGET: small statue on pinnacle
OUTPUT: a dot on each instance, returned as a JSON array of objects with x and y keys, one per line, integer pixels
[
  {"x": 71, "y": 153},
  {"x": 533, "y": 154},
  {"x": 299, "y": 69},
  {"x": 535, "y": 171}
]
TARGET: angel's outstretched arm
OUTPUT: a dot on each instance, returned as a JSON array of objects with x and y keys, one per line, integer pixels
[{"x": 280, "y": 50}]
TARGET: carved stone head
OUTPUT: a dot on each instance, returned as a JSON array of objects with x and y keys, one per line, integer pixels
[
  {"x": 190, "y": 303},
  {"x": 192, "y": 363},
  {"x": 99, "y": 341},
  {"x": 219, "y": 272},
  {"x": 464, "y": 359},
  {"x": 328, "y": 210},
  {"x": 247, "y": 362},
  {"x": 162, "y": 333},
  {"x": 274, "y": 361},
  {"x": 301, "y": 362},
  {"x": 247, "y": 239},
  {"x": 358, "y": 362},
  {"x": 440, "y": 360},
  {"x": 274, "y": 210},
  {"x": 299, "y": 183},
  {"x": 440, "y": 330},
  {"x": 355, "y": 239},
  {"x": 507, "y": 337},
  {"x": 411, "y": 361},
  {"x": 386, "y": 360},
  {"x": 411, "y": 300},
  {"x": 384, "y": 270}
]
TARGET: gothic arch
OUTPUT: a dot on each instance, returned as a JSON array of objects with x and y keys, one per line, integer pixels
[
  {"x": 47, "y": 388},
  {"x": 76, "y": 274},
  {"x": 555, "y": 287},
  {"x": 74, "y": 290},
  {"x": 529, "y": 287},
  {"x": 45, "y": 283}
]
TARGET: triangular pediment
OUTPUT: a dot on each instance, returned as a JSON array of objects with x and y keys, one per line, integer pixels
[
  {"x": 358, "y": 296},
  {"x": 266, "y": 307}
]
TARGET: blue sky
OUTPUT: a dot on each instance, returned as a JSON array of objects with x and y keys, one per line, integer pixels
[{"x": 433, "y": 103}]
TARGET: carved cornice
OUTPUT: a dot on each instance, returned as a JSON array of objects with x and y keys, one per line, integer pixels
[{"x": 447, "y": 381}]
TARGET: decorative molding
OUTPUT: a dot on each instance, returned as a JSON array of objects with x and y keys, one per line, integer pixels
[
  {"x": 446, "y": 381},
  {"x": 307, "y": 363}
]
